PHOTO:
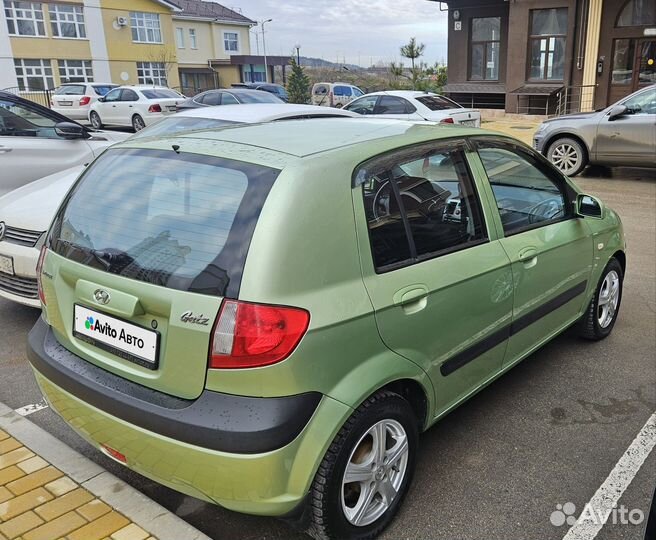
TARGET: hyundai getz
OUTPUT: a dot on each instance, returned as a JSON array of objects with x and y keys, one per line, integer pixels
[{"x": 265, "y": 317}]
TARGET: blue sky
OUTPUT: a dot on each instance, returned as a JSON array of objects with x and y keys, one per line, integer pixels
[{"x": 358, "y": 31}]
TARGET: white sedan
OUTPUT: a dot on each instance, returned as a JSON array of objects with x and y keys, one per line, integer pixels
[
  {"x": 135, "y": 106},
  {"x": 74, "y": 100},
  {"x": 26, "y": 213},
  {"x": 414, "y": 105}
]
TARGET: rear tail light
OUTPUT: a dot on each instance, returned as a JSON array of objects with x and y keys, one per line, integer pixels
[
  {"x": 84, "y": 100},
  {"x": 251, "y": 335},
  {"x": 447, "y": 121},
  {"x": 114, "y": 454},
  {"x": 39, "y": 267},
  {"x": 155, "y": 108}
]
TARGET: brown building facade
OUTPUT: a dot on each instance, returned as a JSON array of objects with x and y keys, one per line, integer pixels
[{"x": 549, "y": 56}]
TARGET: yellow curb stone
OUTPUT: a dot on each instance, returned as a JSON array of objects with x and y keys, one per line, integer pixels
[
  {"x": 22, "y": 503},
  {"x": 23, "y": 523},
  {"x": 61, "y": 505},
  {"x": 8, "y": 445},
  {"x": 100, "y": 528},
  {"x": 131, "y": 532},
  {"x": 61, "y": 486},
  {"x": 93, "y": 510},
  {"x": 56, "y": 528},
  {"x": 34, "y": 480},
  {"x": 14, "y": 457},
  {"x": 3, "y": 435},
  {"x": 9, "y": 474},
  {"x": 33, "y": 464}
]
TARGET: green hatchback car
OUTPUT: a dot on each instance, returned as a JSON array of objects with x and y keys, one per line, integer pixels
[{"x": 266, "y": 317}]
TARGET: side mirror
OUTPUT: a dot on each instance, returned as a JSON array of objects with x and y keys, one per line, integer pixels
[
  {"x": 589, "y": 206},
  {"x": 101, "y": 99},
  {"x": 69, "y": 130},
  {"x": 616, "y": 112}
]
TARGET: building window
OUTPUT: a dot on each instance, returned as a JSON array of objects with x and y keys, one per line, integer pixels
[
  {"x": 24, "y": 18},
  {"x": 622, "y": 69},
  {"x": 179, "y": 38},
  {"x": 145, "y": 27},
  {"x": 638, "y": 13},
  {"x": 231, "y": 41},
  {"x": 75, "y": 71},
  {"x": 547, "y": 44},
  {"x": 484, "y": 59},
  {"x": 67, "y": 21},
  {"x": 151, "y": 73},
  {"x": 192, "y": 38},
  {"x": 34, "y": 74}
]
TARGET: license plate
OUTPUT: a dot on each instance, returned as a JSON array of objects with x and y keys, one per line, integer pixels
[
  {"x": 173, "y": 108},
  {"x": 468, "y": 122},
  {"x": 66, "y": 103},
  {"x": 121, "y": 338},
  {"x": 6, "y": 265}
]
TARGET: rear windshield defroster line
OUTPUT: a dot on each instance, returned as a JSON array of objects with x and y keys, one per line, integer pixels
[{"x": 183, "y": 221}]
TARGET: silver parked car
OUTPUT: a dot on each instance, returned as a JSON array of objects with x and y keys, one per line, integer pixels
[{"x": 622, "y": 134}]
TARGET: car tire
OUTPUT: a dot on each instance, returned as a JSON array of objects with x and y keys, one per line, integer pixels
[
  {"x": 335, "y": 505},
  {"x": 568, "y": 155},
  {"x": 599, "y": 319},
  {"x": 138, "y": 123},
  {"x": 95, "y": 120}
]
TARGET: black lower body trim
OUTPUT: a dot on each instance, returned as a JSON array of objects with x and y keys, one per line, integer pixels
[
  {"x": 471, "y": 353},
  {"x": 214, "y": 420}
]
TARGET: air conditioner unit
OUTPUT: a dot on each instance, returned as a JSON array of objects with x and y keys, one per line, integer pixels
[{"x": 122, "y": 21}]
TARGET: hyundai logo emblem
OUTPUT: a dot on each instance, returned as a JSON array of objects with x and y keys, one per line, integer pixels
[
  {"x": 102, "y": 297},
  {"x": 3, "y": 228}
]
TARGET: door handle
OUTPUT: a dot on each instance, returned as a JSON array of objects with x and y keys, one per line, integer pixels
[
  {"x": 5, "y": 149},
  {"x": 529, "y": 256},
  {"x": 412, "y": 299}
]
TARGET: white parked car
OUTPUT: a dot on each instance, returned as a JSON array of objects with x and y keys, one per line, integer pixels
[
  {"x": 74, "y": 99},
  {"x": 135, "y": 106},
  {"x": 334, "y": 94},
  {"x": 36, "y": 141},
  {"x": 415, "y": 105},
  {"x": 26, "y": 213}
]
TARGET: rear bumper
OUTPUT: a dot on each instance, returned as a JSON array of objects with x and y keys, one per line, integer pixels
[
  {"x": 254, "y": 455},
  {"x": 75, "y": 113}
]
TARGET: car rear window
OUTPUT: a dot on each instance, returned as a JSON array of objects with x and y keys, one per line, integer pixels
[
  {"x": 256, "y": 96},
  {"x": 102, "y": 89},
  {"x": 70, "y": 90},
  {"x": 320, "y": 89},
  {"x": 438, "y": 103},
  {"x": 159, "y": 94},
  {"x": 182, "y": 221},
  {"x": 176, "y": 124}
]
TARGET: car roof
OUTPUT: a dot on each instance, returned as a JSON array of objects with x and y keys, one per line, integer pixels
[
  {"x": 269, "y": 143},
  {"x": 261, "y": 112},
  {"x": 403, "y": 93}
]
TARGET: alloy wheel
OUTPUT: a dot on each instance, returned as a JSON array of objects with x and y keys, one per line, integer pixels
[
  {"x": 374, "y": 472},
  {"x": 138, "y": 123},
  {"x": 566, "y": 158},
  {"x": 609, "y": 297}
]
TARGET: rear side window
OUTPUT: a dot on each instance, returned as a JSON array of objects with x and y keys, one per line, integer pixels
[
  {"x": 342, "y": 91},
  {"x": 438, "y": 103},
  {"x": 182, "y": 221},
  {"x": 420, "y": 204},
  {"x": 159, "y": 94},
  {"x": 211, "y": 98},
  {"x": 394, "y": 105},
  {"x": 70, "y": 90},
  {"x": 102, "y": 90}
]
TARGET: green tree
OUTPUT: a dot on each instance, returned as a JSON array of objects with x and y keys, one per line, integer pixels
[
  {"x": 413, "y": 50},
  {"x": 298, "y": 84}
]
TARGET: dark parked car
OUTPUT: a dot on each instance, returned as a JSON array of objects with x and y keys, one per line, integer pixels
[
  {"x": 275, "y": 89},
  {"x": 230, "y": 96},
  {"x": 622, "y": 134}
]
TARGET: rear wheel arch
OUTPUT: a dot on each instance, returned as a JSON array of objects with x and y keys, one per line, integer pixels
[{"x": 414, "y": 393}]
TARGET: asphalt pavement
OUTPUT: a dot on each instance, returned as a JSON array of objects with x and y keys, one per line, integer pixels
[{"x": 547, "y": 433}]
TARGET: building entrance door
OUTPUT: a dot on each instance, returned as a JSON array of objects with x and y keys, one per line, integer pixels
[{"x": 634, "y": 66}]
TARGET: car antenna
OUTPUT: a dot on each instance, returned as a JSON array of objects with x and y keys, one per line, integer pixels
[{"x": 176, "y": 148}]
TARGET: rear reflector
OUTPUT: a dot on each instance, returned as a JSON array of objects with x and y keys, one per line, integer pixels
[
  {"x": 251, "y": 335},
  {"x": 155, "y": 108},
  {"x": 447, "y": 121},
  {"x": 84, "y": 100},
  {"x": 39, "y": 266},
  {"x": 114, "y": 454}
]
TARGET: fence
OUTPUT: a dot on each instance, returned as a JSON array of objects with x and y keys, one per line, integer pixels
[
  {"x": 42, "y": 97},
  {"x": 573, "y": 99}
]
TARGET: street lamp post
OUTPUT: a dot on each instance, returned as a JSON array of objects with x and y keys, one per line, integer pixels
[
  {"x": 298, "y": 53},
  {"x": 266, "y": 67}
]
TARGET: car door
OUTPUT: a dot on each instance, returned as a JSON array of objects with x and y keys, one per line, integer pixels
[
  {"x": 126, "y": 107},
  {"x": 631, "y": 137},
  {"x": 551, "y": 250},
  {"x": 439, "y": 280},
  {"x": 364, "y": 105},
  {"x": 30, "y": 148},
  {"x": 108, "y": 108},
  {"x": 396, "y": 107}
]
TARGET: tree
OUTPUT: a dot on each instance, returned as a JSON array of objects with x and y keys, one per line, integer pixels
[
  {"x": 298, "y": 85},
  {"x": 412, "y": 50}
]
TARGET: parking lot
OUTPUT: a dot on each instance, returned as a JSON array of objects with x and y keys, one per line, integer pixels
[{"x": 547, "y": 433}]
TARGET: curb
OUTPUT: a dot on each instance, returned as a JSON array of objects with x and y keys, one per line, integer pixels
[{"x": 133, "y": 504}]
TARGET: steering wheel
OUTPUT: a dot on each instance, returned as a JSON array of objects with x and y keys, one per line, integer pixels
[{"x": 544, "y": 210}]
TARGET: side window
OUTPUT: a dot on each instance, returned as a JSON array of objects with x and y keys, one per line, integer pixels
[
  {"x": 211, "y": 98},
  {"x": 357, "y": 92},
  {"x": 644, "y": 103},
  {"x": 228, "y": 99},
  {"x": 114, "y": 95},
  {"x": 392, "y": 105},
  {"x": 428, "y": 194},
  {"x": 365, "y": 105},
  {"x": 17, "y": 120},
  {"x": 342, "y": 91},
  {"x": 527, "y": 194},
  {"x": 129, "y": 95}
]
